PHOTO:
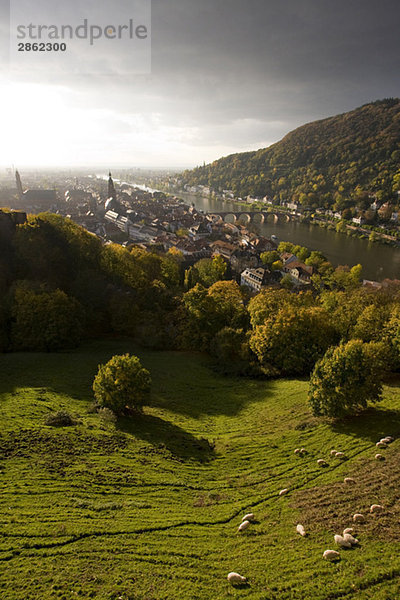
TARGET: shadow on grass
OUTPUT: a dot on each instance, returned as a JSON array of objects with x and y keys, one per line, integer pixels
[
  {"x": 371, "y": 424},
  {"x": 162, "y": 434},
  {"x": 182, "y": 382}
]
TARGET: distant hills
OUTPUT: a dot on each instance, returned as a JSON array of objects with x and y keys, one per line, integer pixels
[{"x": 329, "y": 163}]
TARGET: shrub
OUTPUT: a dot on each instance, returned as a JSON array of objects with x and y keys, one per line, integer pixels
[
  {"x": 45, "y": 321},
  {"x": 60, "y": 419},
  {"x": 347, "y": 378},
  {"x": 122, "y": 384}
]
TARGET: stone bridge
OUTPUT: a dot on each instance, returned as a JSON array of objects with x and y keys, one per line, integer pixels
[{"x": 247, "y": 216}]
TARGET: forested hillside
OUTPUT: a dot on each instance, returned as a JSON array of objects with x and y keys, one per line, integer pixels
[{"x": 330, "y": 163}]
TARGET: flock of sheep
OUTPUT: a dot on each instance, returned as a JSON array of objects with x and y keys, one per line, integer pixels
[{"x": 346, "y": 540}]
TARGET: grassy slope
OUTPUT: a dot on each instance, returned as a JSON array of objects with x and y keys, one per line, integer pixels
[{"x": 149, "y": 510}]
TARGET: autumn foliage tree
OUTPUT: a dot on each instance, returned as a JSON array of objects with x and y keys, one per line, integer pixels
[
  {"x": 347, "y": 378},
  {"x": 291, "y": 340},
  {"x": 122, "y": 384}
]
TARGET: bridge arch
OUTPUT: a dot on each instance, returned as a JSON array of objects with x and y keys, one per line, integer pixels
[{"x": 230, "y": 218}]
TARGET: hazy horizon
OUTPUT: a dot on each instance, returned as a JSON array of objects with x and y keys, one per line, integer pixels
[{"x": 225, "y": 78}]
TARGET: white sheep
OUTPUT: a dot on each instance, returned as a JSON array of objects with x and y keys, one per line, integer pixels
[
  {"x": 303, "y": 451},
  {"x": 349, "y": 480},
  {"x": 248, "y": 517},
  {"x": 340, "y": 541},
  {"x": 358, "y": 518},
  {"x": 340, "y": 455},
  {"x": 333, "y": 452},
  {"x": 300, "y": 529},
  {"x": 348, "y": 530},
  {"x": 283, "y": 492},
  {"x": 322, "y": 463},
  {"x": 235, "y": 578},
  {"x": 297, "y": 451},
  {"x": 331, "y": 555},
  {"x": 379, "y": 457},
  {"x": 381, "y": 445},
  {"x": 350, "y": 539},
  {"x": 376, "y": 508},
  {"x": 243, "y": 526},
  {"x": 389, "y": 439}
]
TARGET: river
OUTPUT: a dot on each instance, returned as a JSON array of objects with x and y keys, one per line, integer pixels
[{"x": 378, "y": 261}]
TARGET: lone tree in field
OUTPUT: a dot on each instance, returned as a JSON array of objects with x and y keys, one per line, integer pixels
[
  {"x": 122, "y": 384},
  {"x": 347, "y": 378}
]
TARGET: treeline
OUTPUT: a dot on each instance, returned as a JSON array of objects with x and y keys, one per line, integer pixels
[
  {"x": 333, "y": 163},
  {"x": 60, "y": 285}
]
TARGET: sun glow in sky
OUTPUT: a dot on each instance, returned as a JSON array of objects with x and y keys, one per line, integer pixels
[{"x": 47, "y": 125}]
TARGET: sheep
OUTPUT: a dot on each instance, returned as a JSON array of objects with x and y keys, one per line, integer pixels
[
  {"x": 376, "y": 508},
  {"x": 387, "y": 440},
  {"x": 283, "y": 492},
  {"x": 297, "y": 451},
  {"x": 340, "y": 455},
  {"x": 303, "y": 451},
  {"x": 350, "y": 539},
  {"x": 331, "y": 555},
  {"x": 243, "y": 526},
  {"x": 358, "y": 518},
  {"x": 333, "y": 452},
  {"x": 300, "y": 529},
  {"x": 381, "y": 445},
  {"x": 340, "y": 541},
  {"x": 348, "y": 530},
  {"x": 349, "y": 480},
  {"x": 235, "y": 578},
  {"x": 379, "y": 457},
  {"x": 322, "y": 463},
  {"x": 248, "y": 517}
]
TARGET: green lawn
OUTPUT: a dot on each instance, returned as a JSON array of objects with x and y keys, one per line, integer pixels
[{"x": 149, "y": 508}]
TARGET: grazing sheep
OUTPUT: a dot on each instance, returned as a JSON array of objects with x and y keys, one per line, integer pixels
[
  {"x": 349, "y": 480},
  {"x": 300, "y": 529},
  {"x": 348, "y": 530},
  {"x": 297, "y": 451},
  {"x": 243, "y": 526},
  {"x": 387, "y": 440},
  {"x": 379, "y": 457},
  {"x": 283, "y": 492},
  {"x": 248, "y": 517},
  {"x": 381, "y": 445},
  {"x": 350, "y": 539},
  {"x": 340, "y": 541},
  {"x": 333, "y": 452},
  {"x": 358, "y": 518},
  {"x": 322, "y": 463},
  {"x": 376, "y": 508},
  {"x": 331, "y": 555},
  {"x": 303, "y": 451},
  {"x": 340, "y": 455},
  {"x": 235, "y": 578}
]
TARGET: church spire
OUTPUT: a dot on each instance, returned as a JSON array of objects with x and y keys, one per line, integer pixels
[
  {"x": 19, "y": 185},
  {"x": 111, "y": 189}
]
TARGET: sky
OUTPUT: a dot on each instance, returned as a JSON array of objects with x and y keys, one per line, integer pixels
[{"x": 225, "y": 76}]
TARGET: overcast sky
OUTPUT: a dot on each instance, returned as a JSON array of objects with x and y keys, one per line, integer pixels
[{"x": 226, "y": 76}]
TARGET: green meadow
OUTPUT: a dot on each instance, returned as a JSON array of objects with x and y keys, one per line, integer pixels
[{"x": 148, "y": 508}]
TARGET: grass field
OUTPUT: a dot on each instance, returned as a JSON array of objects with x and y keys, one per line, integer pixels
[{"x": 148, "y": 508}]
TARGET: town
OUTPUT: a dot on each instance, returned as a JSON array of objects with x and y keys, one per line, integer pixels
[{"x": 156, "y": 221}]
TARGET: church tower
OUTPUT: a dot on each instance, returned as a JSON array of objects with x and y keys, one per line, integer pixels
[
  {"x": 111, "y": 189},
  {"x": 19, "y": 185}
]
